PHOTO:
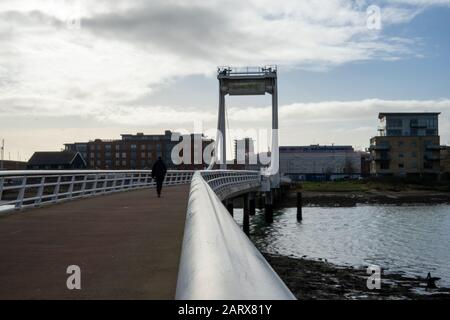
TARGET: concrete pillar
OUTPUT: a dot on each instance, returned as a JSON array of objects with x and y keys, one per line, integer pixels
[
  {"x": 230, "y": 206},
  {"x": 268, "y": 207},
  {"x": 252, "y": 206},
  {"x": 222, "y": 126},
  {"x": 246, "y": 222}
]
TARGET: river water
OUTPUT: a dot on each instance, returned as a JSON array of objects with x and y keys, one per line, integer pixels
[{"x": 413, "y": 240}]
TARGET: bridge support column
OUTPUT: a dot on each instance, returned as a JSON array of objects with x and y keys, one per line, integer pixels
[
  {"x": 268, "y": 207},
  {"x": 252, "y": 204},
  {"x": 246, "y": 215},
  {"x": 230, "y": 206}
]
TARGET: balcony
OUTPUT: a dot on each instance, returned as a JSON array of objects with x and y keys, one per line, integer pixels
[
  {"x": 433, "y": 147},
  {"x": 380, "y": 147},
  {"x": 432, "y": 157},
  {"x": 381, "y": 158}
]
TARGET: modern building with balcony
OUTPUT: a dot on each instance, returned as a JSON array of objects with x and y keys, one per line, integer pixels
[{"x": 408, "y": 144}]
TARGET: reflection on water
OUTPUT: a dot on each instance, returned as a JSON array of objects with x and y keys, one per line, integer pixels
[{"x": 410, "y": 239}]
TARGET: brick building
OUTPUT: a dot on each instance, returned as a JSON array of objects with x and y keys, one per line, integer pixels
[{"x": 140, "y": 151}]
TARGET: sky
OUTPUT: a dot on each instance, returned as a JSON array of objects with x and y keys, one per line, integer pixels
[{"x": 76, "y": 70}]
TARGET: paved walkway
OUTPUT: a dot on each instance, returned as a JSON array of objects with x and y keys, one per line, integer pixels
[{"x": 127, "y": 246}]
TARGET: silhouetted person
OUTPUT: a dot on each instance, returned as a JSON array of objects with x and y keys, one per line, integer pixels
[{"x": 158, "y": 173}]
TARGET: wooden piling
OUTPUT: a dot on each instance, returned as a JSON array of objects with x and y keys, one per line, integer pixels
[
  {"x": 268, "y": 207},
  {"x": 299, "y": 206}
]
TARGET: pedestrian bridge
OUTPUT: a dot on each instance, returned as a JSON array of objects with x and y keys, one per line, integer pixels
[{"x": 128, "y": 243}]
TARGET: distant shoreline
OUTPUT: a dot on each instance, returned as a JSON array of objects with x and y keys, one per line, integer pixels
[
  {"x": 351, "y": 199},
  {"x": 312, "y": 280}
]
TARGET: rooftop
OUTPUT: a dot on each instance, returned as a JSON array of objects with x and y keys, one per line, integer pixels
[{"x": 400, "y": 114}]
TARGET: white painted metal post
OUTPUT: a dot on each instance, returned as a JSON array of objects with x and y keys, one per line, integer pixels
[
  {"x": 56, "y": 190},
  {"x": 70, "y": 191},
  {"x": 40, "y": 191},
  {"x": 21, "y": 193}
]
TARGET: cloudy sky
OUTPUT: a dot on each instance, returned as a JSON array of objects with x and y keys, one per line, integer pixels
[{"x": 78, "y": 70}]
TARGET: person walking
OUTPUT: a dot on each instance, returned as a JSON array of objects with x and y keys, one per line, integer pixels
[{"x": 158, "y": 173}]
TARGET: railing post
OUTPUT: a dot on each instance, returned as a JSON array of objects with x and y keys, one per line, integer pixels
[
  {"x": 1, "y": 187},
  {"x": 56, "y": 190},
  {"x": 70, "y": 191},
  {"x": 94, "y": 185},
  {"x": 21, "y": 193},
  {"x": 114, "y": 182},
  {"x": 83, "y": 185},
  {"x": 40, "y": 192}
]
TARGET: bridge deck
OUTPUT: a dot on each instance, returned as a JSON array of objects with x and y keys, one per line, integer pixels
[{"x": 126, "y": 244}]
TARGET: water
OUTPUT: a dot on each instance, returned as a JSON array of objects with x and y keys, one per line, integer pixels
[{"x": 413, "y": 240}]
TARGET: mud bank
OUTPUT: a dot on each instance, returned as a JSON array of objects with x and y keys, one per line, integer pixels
[
  {"x": 310, "y": 279},
  {"x": 351, "y": 199}
]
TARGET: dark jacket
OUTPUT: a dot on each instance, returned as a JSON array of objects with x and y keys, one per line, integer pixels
[{"x": 159, "y": 170}]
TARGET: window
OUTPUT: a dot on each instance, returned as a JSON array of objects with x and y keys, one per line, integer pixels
[
  {"x": 108, "y": 147},
  {"x": 401, "y": 155},
  {"x": 142, "y": 146},
  {"x": 117, "y": 155},
  {"x": 133, "y": 147},
  {"x": 400, "y": 143},
  {"x": 143, "y": 154},
  {"x": 124, "y": 154},
  {"x": 394, "y": 123},
  {"x": 124, "y": 163},
  {"x": 384, "y": 166},
  {"x": 401, "y": 165},
  {"x": 414, "y": 154},
  {"x": 414, "y": 143},
  {"x": 394, "y": 132}
]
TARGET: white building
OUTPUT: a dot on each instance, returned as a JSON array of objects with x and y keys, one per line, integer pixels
[{"x": 320, "y": 162}]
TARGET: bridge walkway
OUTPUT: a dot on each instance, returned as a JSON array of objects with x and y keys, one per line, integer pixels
[{"x": 127, "y": 245}]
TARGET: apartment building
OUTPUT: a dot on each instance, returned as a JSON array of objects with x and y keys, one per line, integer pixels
[
  {"x": 408, "y": 144},
  {"x": 140, "y": 151}
]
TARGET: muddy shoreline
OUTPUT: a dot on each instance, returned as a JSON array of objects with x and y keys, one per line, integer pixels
[
  {"x": 312, "y": 280},
  {"x": 351, "y": 199}
]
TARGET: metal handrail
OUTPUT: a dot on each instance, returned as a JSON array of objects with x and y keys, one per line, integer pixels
[
  {"x": 33, "y": 188},
  {"x": 218, "y": 261}
]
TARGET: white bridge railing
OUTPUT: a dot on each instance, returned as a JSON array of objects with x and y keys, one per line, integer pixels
[
  {"x": 227, "y": 183},
  {"x": 22, "y": 189},
  {"x": 218, "y": 261}
]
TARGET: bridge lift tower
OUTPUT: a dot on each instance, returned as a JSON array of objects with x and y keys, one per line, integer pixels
[{"x": 249, "y": 81}]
